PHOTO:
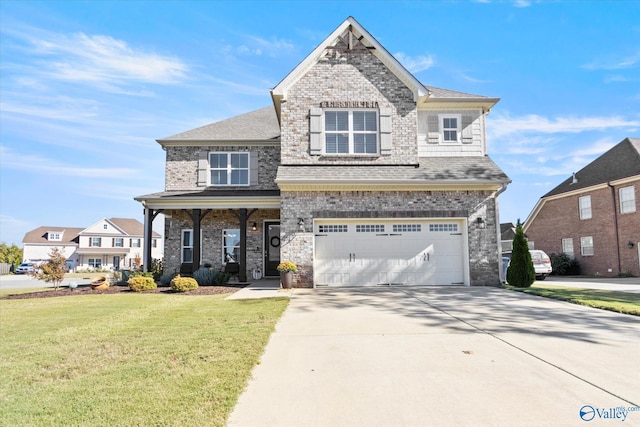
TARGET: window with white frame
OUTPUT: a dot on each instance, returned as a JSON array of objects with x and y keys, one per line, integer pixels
[
  {"x": 154, "y": 243},
  {"x": 135, "y": 243},
  {"x": 187, "y": 246},
  {"x": 586, "y": 246},
  {"x": 55, "y": 235},
  {"x": 229, "y": 168},
  {"x": 567, "y": 246},
  {"x": 118, "y": 242},
  {"x": 95, "y": 242},
  {"x": 351, "y": 132},
  {"x": 627, "y": 200},
  {"x": 95, "y": 263},
  {"x": 450, "y": 127},
  {"x": 230, "y": 245},
  {"x": 584, "y": 204}
]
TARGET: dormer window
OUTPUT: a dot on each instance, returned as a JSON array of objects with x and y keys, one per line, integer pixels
[
  {"x": 351, "y": 132},
  {"x": 54, "y": 236}
]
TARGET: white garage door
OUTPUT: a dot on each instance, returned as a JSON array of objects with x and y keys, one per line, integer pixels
[{"x": 374, "y": 252}]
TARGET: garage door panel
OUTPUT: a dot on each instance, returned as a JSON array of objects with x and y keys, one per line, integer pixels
[{"x": 371, "y": 252}]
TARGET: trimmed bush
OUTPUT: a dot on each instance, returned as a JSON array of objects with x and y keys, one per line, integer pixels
[
  {"x": 165, "y": 279},
  {"x": 205, "y": 276},
  {"x": 141, "y": 283},
  {"x": 562, "y": 264},
  {"x": 222, "y": 278},
  {"x": 521, "y": 272},
  {"x": 183, "y": 284}
]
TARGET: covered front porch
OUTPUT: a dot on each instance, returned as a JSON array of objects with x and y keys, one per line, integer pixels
[{"x": 237, "y": 230}]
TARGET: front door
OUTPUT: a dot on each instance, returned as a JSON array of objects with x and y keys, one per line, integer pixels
[
  {"x": 272, "y": 247},
  {"x": 116, "y": 263}
]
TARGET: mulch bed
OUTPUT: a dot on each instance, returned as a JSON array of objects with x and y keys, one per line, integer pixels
[{"x": 115, "y": 289}]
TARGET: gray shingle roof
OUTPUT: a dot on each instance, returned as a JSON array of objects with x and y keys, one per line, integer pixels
[
  {"x": 260, "y": 125},
  {"x": 39, "y": 235},
  {"x": 621, "y": 161},
  {"x": 430, "y": 170}
]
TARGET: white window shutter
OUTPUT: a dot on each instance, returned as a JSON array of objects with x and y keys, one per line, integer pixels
[
  {"x": 315, "y": 131},
  {"x": 433, "y": 135},
  {"x": 203, "y": 166},
  {"x": 385, "y": 131},
  {"x": 467, "y": 131},
  {"x": 253, "y": 168}
]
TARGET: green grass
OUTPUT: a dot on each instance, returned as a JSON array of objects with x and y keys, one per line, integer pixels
[
  {"x": 129, "y": 360},
  {"x": 5, "y": 292},
  {"x": 621, "y": 302}
]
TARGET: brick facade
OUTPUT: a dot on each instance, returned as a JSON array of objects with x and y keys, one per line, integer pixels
[
  {"x": 559, "y": 219},
  {"x": 483, "y": 245}
]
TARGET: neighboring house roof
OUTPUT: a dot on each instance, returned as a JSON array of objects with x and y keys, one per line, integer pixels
[
  {"x": 260, "y": 125},
  {"x": 40, "y": 236},
  {"x": 430, "y": 171},
  {"x": 131, "y": 227},
  {"x": 507, "y": 231},
  {"x": 621, "y": 161}
]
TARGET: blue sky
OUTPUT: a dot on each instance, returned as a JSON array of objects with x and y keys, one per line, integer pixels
[{"x": 86, "y": 87}]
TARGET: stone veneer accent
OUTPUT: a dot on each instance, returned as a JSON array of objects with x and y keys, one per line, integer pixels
[
  {"x": 297, "y": 246},
  {"x": 182, "y": 167},
  {"x": 359, "y": 77}
]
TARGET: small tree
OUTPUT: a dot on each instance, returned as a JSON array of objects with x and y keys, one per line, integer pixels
[
  {"x": 53, "y": 270},
  {"x": 521, "y": 272},
  {"x": 10, "y": 254}
]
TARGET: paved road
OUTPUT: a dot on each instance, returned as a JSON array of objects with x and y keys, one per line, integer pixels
[
  {"x": 24, "y": 281},
  {"x": 442, "y": 356}
]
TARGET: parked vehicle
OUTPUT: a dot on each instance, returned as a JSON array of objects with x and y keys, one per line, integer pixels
[
  {"x": 541, "y": 263},
  {"x": 25, "y": 268}
]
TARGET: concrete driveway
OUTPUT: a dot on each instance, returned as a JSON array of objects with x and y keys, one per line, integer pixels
[{"x": 443, "y": 356}]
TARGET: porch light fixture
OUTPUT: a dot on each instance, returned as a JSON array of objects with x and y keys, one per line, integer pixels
[
  {"x": 254, "y": 226},
  {"x": 480, "y": 222},
  {"x": 630, "y": 244},
  {"x": 301, "y": 224}
]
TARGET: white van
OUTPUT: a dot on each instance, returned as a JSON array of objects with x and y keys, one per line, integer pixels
[{"x": 541, "y": 263}]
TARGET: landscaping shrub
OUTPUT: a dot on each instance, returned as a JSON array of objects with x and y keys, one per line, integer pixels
[
  {"x": 165, "y": 279},
  {"x": 157, "y": 266},
  {"x": 520, "y": 273},
  {"x": 562, "y": 264},
  {"x": 183, "y": 284},
  {"x": 222, "y": 278},
  {"x": 141, "y": 283},
  {"x": 205, "y": 276}
]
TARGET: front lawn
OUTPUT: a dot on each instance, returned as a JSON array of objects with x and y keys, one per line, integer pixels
[
  {"x": 129, "y": 359},
  {"x": 621, "y": 302}
]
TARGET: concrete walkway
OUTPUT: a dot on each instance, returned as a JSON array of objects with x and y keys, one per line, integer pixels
[
  {"x": 442, "y": 356},
  {"x": 624, "y": 284}
]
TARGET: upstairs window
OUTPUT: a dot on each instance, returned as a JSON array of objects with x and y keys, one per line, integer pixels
[
  {"x": 118, "y": 242},
  {"x": 95, "y": 242},
  {"x": 627, "y": 200},
  {"x": 135, "y": 243},
  {"x": 55, "y": 236},
  {"x": 229, "y": 168},
  {"x": 450, "y": 127},
  {"x": 584, "y": 204},
  {"x": 351, "y": 132}
]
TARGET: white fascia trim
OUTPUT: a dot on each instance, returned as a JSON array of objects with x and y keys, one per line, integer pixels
[
  {"x": 626, "y": 180},
  {"x": 203, "y": 143},
  {"x": 384, "y": 185},
  {"x": 280, "y": 91},
  {"x": 211, "y": 203},
  {"x": 484, "y": 104}
]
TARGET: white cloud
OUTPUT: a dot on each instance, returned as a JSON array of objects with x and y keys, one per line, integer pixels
[
  {"x": 503, "y": 125},
  {"x": 99, "y": 60},
  {"x": 522, "y": 3},
  {"x": 415, "y": 64},
  {"x": 49, "y": 166},
  {"x": 613, "y": 63}
]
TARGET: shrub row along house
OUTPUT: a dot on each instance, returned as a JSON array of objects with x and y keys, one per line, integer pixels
[
  {"x": 593, "y": 215},
  {"x": 108, "y": 244},
  {"x": 358, "y": 173}
]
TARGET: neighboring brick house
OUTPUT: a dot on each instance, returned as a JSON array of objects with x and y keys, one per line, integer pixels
[
  {"x": 108, "y": 244},
  {"x": 593, "y": 215},
  {"x": 358, "y": 173}
]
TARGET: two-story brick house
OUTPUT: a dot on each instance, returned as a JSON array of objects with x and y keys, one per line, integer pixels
[
  {"x": 593, "y": 216},
  {"x": 112, "y": 243},
  {"x": 358, "y": 173}
]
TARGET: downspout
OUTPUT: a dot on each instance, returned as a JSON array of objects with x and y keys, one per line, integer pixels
[
  {"x": 615, "y": 225},
  {"x": 498, "y": 235}
]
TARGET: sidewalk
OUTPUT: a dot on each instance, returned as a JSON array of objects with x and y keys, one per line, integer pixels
[{"x": 265, "y": 288}]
